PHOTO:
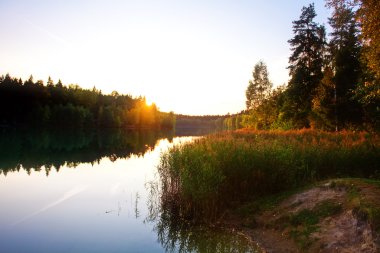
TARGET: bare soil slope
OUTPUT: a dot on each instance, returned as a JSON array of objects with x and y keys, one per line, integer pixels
[{"x": 340, "y": 215}]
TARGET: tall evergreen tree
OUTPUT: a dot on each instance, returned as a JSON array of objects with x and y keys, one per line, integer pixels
[
  {"x": 50, "y": 82},
  {"x": 345, "y": 50},
  {"x": 59, "y": 84},
  {"x": 305, "y": 65},
  {"x": 368, "y": 91},
  {"x": 30, "y": 81},
  {"x": 368, "y": 17}
]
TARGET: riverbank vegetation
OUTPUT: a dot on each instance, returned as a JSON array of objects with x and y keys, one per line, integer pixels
[
  {"x": 322, "y": 124},
  {"x": 334, "y": 78},
  {"x": 202, "y": 179},
  {"x": 33, "y": 104}
]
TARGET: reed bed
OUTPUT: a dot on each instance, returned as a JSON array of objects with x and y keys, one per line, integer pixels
[{"x": 202, "y": 179}]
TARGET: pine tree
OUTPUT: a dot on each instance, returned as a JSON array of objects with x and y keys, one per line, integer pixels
[
  {"x": 345, "y": 51},
  {"x": 30, "y": 81},
  {"x": 59, "y": 84},
  {"x": 368, "y": 17},
  {"x": 50, "y": 82},
  {"x": 368, "y": 91},
  {"x": 306, "y": 62}
]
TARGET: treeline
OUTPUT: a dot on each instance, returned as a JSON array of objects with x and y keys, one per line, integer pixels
[
  {"x": 334, "y": 80},
  {"x": 33, "y": 104},
  {"x": 238, "y": 120},
  {"x": 206, "y": 121}
]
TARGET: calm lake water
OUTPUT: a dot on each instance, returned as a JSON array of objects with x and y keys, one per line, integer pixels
[{"x": 90, "y": 192}]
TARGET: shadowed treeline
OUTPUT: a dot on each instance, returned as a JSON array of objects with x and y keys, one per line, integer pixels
[
  {"x": 34, "y": 104},
  {"x": 205, "y": 122},
  {"x": 36, "y": 150}
]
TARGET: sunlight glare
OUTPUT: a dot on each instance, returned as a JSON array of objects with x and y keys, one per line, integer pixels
[{"x": 148, "y": 101}]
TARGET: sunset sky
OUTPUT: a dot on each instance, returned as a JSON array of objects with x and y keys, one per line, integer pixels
[{"x": 191, "y": 57}]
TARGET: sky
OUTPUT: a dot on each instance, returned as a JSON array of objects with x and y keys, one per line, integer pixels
[{"x": 192, "y": 57}]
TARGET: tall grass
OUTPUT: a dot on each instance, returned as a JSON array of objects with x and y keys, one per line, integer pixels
[{"x": 203, "y": 178}]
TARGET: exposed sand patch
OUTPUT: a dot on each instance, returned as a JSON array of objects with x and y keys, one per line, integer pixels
[{"x": 343, "y": 232}]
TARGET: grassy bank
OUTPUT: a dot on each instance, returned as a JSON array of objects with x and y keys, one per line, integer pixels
[{"x": 202, "y": 179}]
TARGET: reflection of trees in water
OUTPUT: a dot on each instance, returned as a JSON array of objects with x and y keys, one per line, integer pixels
[
  {"x": 137, "y": 212},
  {"x": 175, "y": 234},
  {"x": 54, "y": 148}
]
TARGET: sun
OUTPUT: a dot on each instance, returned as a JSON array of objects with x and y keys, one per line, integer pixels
[{"x": 149, "y": 102}]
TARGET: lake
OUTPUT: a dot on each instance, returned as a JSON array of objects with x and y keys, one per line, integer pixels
[{"x": 91, "y": 191}]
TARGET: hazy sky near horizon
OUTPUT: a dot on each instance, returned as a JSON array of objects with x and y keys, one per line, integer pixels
[{"x": 191, "y": 57}]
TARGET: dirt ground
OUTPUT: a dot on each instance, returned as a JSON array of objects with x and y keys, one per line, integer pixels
[{"x": 348, "y": 228}]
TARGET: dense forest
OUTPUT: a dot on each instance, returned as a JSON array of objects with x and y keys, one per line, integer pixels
[
  {"x": 206, "y": 121},
  {"x": 33, "y": 104},
  {"x": 334, "y": 78}
]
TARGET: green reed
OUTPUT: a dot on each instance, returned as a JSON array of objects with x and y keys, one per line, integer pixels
[{"x": 202, "y": 179}]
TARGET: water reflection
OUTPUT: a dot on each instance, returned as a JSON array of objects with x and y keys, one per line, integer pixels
[
  {"x": 45, "y": 149},
  {"x": 177, "y": 235},
  {"x": 99, "y": 207}
]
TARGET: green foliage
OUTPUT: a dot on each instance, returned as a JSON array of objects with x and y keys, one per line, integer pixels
[
  {"x": 264, "y": 117},
  {"x": 368, "y": 18},
  {"x": 205, "y": 177},
  {"x": 237, "y": 121},
  {"x": 259, "y": 88},
  {"x": 323, "y": 114},
  {"x": 345, "y": 50},
  {"x": 333, "y": 86},
  {"x": 368, "y": 95},
  {"x": 33, "y": 104},
  {"x": 305, "y": 67},
  {"x": 70, "y": 116}
]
